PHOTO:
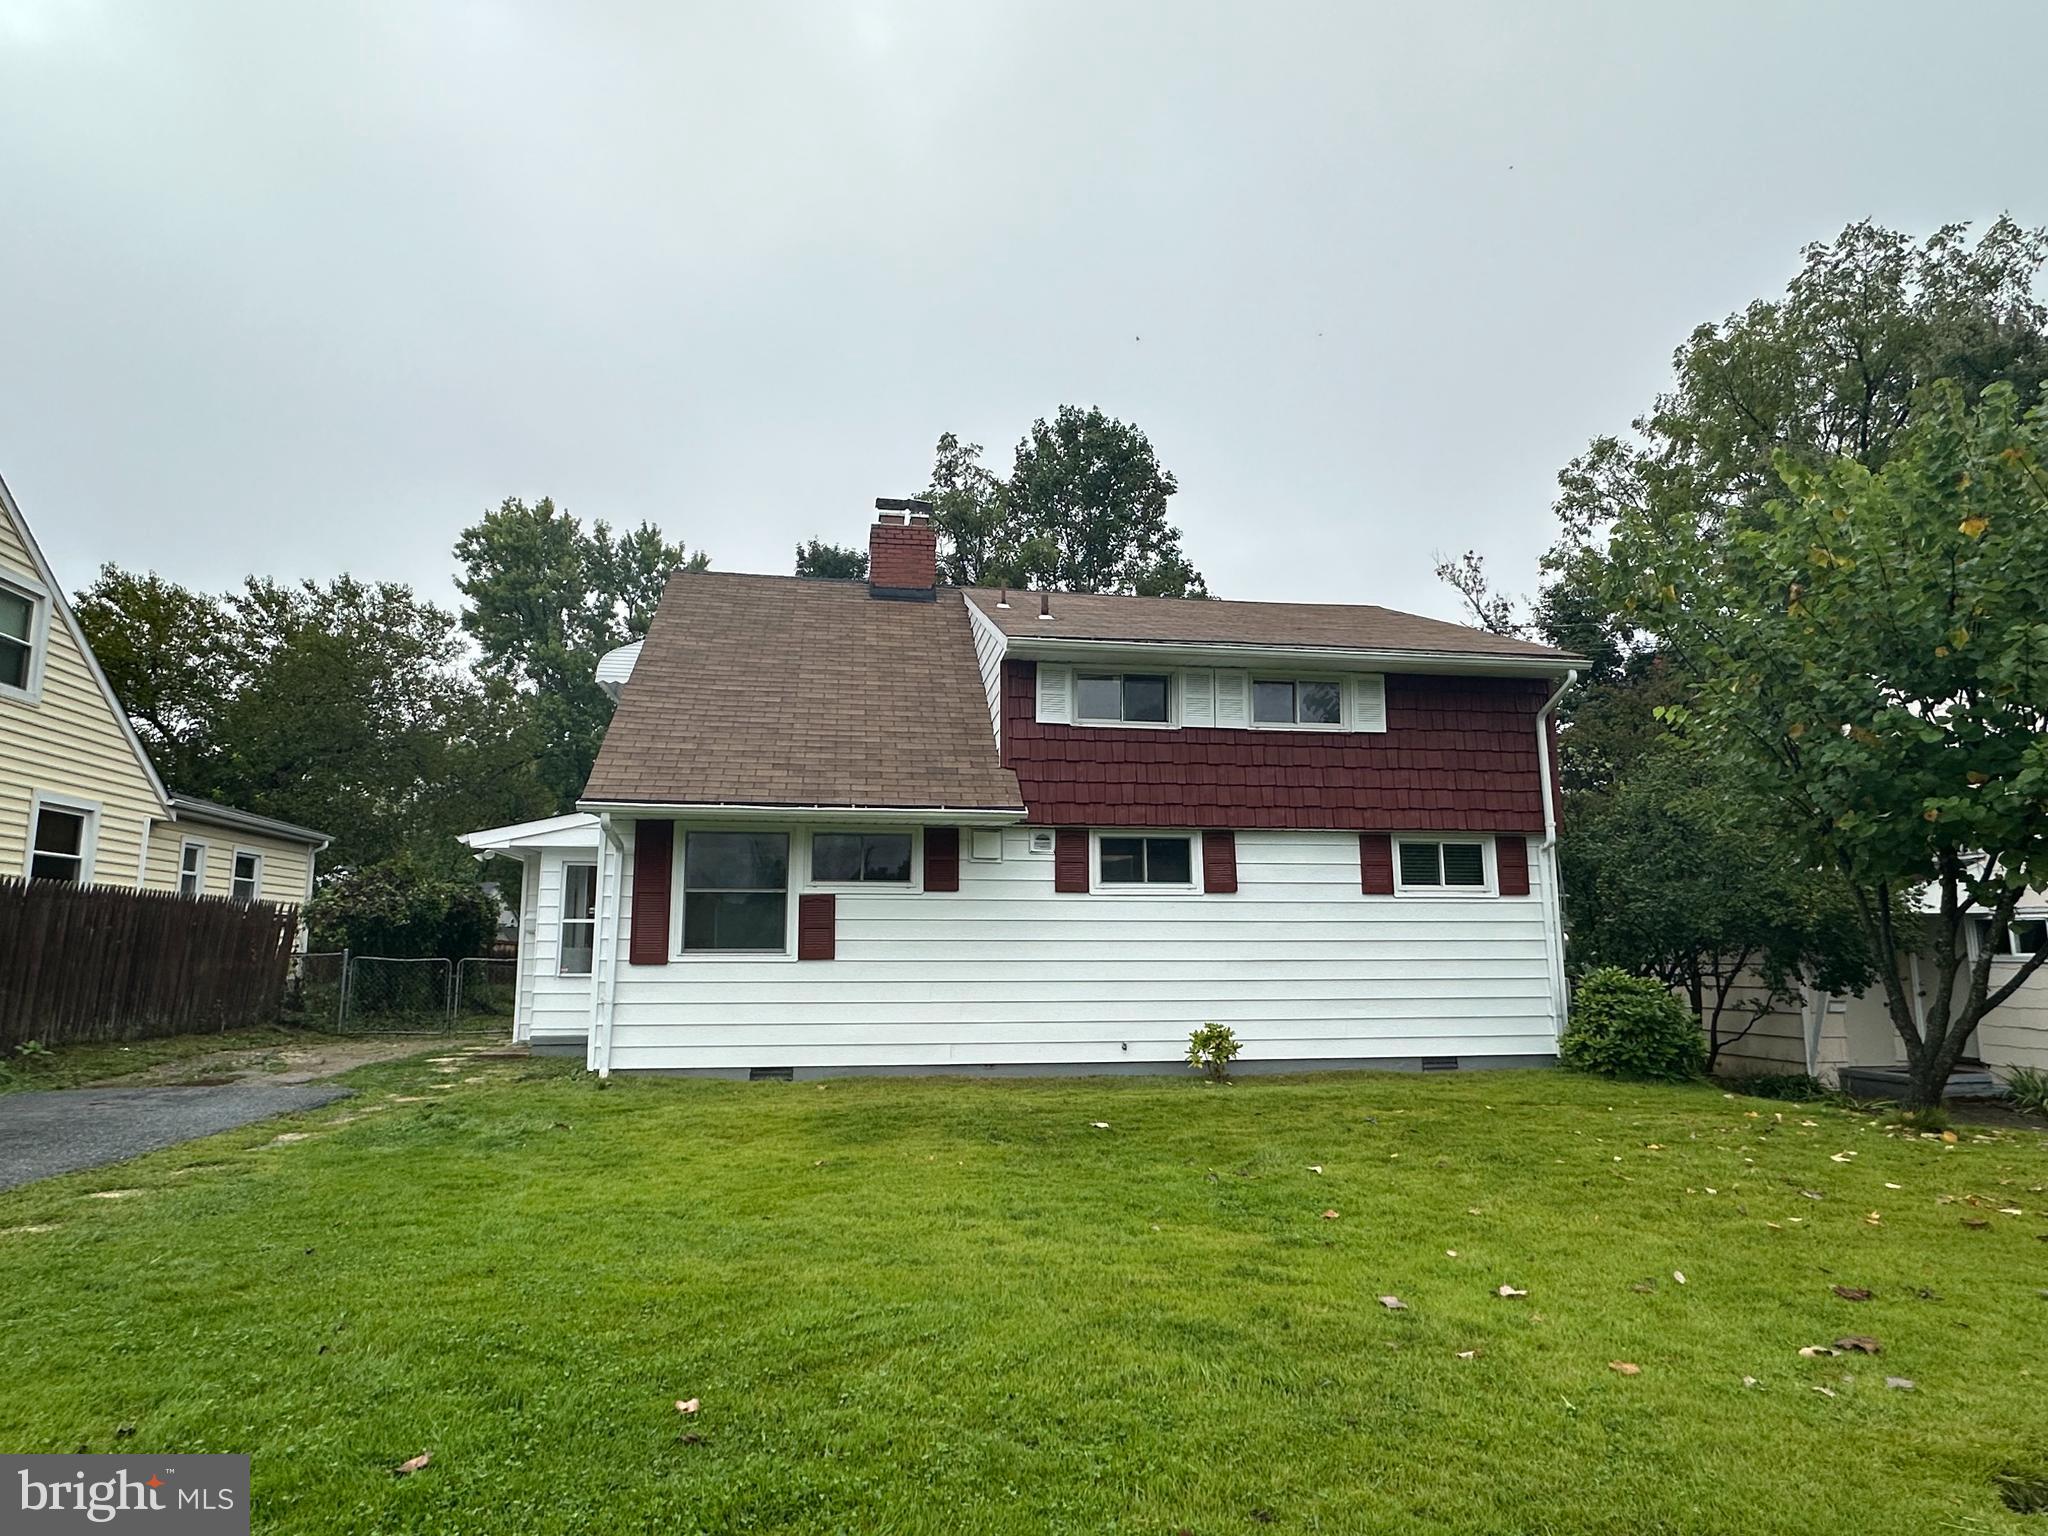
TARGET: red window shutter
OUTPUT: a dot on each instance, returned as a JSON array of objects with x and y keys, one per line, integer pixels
[
  {"x": 1070, "y": 860},
  {"x": 654, "y": 846},
  {"x": 817, "y": 927},
  {"x": 1511, "y": 865},
  {"x": 942, "y": 858},
  {"x": 1376, "y": 863},
  {"x": 1219, "y": 863}
]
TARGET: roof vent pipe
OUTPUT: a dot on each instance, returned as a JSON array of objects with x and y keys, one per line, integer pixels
[
  {"x": 1045, "y": 605},
  {"x": 1004, "y": 600}
]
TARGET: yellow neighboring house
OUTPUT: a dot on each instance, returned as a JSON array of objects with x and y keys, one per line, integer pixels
[{"x": 79, "y": 798}]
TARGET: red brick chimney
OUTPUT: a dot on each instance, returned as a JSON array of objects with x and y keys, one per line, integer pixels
[{"x": 903, "y": 551}]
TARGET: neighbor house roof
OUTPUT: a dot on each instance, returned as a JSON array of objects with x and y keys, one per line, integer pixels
[
  {"x": 1356, "y": 627},
  {"x": 191, "y": 808},
  {"x": 782, "y": 691}
]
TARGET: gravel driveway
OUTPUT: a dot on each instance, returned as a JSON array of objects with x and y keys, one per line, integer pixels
[{"x": 42, "y": 1134}]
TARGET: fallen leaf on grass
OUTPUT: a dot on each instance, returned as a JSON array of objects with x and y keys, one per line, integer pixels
[
  {"x": 686, "y": 1405},
  {"x": 1899, "y": 1383},
  {"x": 1678, "y": 1275},
  {"x": 1393, "y": 1304},
  {"x": 1468, "y": 1354},
  {"x": 1949, "y": 1137},
  {"x": 2010, "y": 1210},
  {"x": 1824, "y": 1391},
  {"x": 1813, "y": 1194},
  {"x": 690, "y": 1439},
  {"x": 1874, "y": 1219},
  {"x": 407, "y": 1468},
  {"x": 1624, "y": 1368},
  {"x": 1329, "y": 1216},
  {"x": 1509, "y": 1290},
  {"x": 1842, "y": 1157},
  {"x": 1643, "y": 1287},
  {"x": 1816, "y": 1351},
  {"x": 1472, "y": 1210},
  {"x": 1450, "y": 1253},
  {"x": 1851, "y": 1292},
  {"x": 1888, "y": 1184},
  {"x": 1860, "y": 1343},
  {"x": 1750, "y": 1381},
  {"x": 1098, "y": 1125},
  {"x": 1315, "y": 1167}
]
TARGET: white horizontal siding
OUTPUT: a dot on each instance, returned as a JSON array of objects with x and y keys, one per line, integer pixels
[{"x": 1006, "y": 971}]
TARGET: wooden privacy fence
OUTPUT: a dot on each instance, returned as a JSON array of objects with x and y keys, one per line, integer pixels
[{"x": 95, "y": 962}]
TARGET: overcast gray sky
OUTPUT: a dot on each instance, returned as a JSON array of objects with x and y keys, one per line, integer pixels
[{"x": 297, "y": 288}]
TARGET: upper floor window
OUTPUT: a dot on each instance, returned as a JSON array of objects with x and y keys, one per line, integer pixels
[
  {"x": 579, "y": 920},
  {"x": 18, "y": 615},
  {"x": 1146, "y": 861},
  {"x": 736, "y": 891},
  {"x": 2023, "y": 936},
  {"x": 1442, "y": 865},
  {"x": 60, "y": 844},
  {"x": 876, "y": 857},
  {"x": 1297, "y": 701},
  {"x": 192, "y": 869},
  {"x": 247, "y": 879},
  {"x": 1134, "y": 698}
]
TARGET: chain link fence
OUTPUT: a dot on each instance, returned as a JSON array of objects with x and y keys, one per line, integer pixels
[{"x": 345, "y": 994}]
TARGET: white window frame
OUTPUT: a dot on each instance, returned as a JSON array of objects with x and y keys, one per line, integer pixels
[
  {"x": 1097, "y": 886},
  {"x": 1448, "y": 892},
  {"x": 198, "y": 873},
  {"x": 1296, "y": 679},
  {"x": 1980, "y": 927},
  {"x": 913, "y": 886},
  {"x": 234, "y": 863},
  {"x": 38, "y": 636},
  {"x": 1170, "y": 723},
  {"x": 89, "y": 839},
  {"x": 563, "y": 921},
  {"x": 798, "y": 881}
]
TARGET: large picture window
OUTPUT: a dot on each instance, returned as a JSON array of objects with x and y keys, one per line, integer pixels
[
  {"x": 867, "y": 857},
  {"x": 1445, "y": 865},
  {"x": 1135, "y": 861},
  {"x": 1130, "y": 698},
  {"x": 579, "y": 920},
  {"x": 736, "y": 891}
]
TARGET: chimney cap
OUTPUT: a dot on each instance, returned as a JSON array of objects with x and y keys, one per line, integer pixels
[{"x": 903, "y": 504}]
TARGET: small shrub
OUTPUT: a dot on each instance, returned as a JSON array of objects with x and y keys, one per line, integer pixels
[
  {"x": 403, "y": 909},
  {"x": 1630, "y": 1026},
  {"x": 2028, "y": 1087},
  {"x": 1797, "y": 1087},
  {"x": 1212, "y": 1048},
  {"x": 1934, "y": 1119}
]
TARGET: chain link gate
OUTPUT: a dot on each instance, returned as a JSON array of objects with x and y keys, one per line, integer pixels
[
  {"x": 338, "y": 993},
  {"x": 385, "y": 996},
  {"x": 486, "y": 991}
]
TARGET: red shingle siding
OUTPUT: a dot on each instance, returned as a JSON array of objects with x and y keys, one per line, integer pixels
[
  {"x": 1511, "y": 865},
  {"x": 1070, "y": 860},
  {"x": 1376, "y": 863},
  {"x": 942, "y": 858},
  {"x": 1458, "y": 755},
  {"x": 903, "y": 558},
  {"x": 817, "y": 927},
  {"x": 1219, "y": 863},
  {"x": 653, "y": 854}
]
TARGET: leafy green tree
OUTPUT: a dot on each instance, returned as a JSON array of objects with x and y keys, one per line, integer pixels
[
  {"x": 1869, "y": 658},
  {"x": 1671, "y": 875},
  {"x": 404, "y": 909},
  {"x": 546, "y": 599},
  {"x": 831, "y": 562},
  {"x": 345, "y": 706},
  {"x": 1083, "y": 510}
]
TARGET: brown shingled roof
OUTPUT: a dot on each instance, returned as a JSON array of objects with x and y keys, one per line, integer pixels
[
  {"x": 1199, "y": 621},
  {"x": 774, "y": 690}
]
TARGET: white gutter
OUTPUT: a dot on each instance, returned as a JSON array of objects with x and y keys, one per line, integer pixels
[
  {"x": 1553, "y": 896},
  {"x": 738, "y": 811},
  {"x": 1221, "y": 653},
  {"x": 611, "y": 857}
]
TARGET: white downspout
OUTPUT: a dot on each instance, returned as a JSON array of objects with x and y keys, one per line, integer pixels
[
  {"x": 611, "y": 854},
  {"x": 1553, "y": 897}
]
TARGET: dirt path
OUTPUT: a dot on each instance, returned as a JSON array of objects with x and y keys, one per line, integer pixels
[{"x": 319, "y": 1057}]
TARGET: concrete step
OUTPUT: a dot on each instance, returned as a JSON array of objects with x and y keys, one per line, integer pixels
[{"x": 1890, "y": 1083}]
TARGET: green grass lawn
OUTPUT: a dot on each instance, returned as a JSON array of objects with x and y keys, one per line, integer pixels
[{"x": 926, "y": 1306}]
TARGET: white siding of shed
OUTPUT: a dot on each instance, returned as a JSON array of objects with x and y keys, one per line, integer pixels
[{"x": 1007, "y": 972}]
